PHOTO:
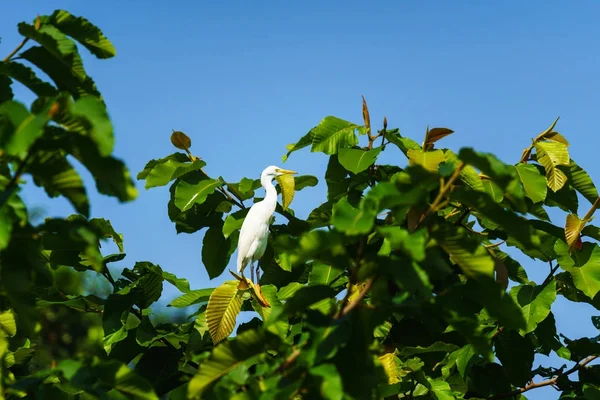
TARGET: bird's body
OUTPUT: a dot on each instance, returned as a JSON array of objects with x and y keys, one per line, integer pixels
[{"x": 254, "y": 234}]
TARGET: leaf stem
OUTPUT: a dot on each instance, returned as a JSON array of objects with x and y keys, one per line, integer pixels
[
  {"x": 548, "y": 382},
  {"x": 12, "y": 53},
  {"x": 592, "y": 210}
]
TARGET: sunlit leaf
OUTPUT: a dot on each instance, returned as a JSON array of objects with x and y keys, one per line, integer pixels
[
  {"x": 358, "y": 160},
  {"x": 573, "y": 229},
  {"x": 187, "y": 194},
  {"x": 430, "y": 160},
  {"x": 533, "y": 182},
  {"x": 287, "y": 184},
  {"x": 224, "y": 305},
  {"x": 551, "y": 155}
]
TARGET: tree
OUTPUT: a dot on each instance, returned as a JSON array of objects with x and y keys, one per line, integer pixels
[{"x": 399, "y": 285}]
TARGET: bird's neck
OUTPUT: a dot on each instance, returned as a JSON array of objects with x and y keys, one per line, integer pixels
[{"x": 271, "y": 195}]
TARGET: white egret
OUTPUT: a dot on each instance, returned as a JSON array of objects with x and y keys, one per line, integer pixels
[{"x": 255, "y": 229}]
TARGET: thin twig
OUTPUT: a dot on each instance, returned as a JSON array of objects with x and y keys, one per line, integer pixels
[
  {"x": 353, "y": 276},
  {"x": 106, "y": 273},
  {"x": 444, "y": 189},
  {"x": 548, "y": 382},
  {"x": 490, "y": 246},
  {"x": 290, "y": 360},
  {"x": 12, "y": 53},
  {"x": 592, "y": 210},
  {"x": 350, "y": 306}
]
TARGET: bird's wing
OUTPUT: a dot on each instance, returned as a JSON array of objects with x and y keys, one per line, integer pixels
[{"x": 248, "y": 234}]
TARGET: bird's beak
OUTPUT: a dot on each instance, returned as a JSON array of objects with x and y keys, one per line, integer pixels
[{"x": 286, "y": 171}]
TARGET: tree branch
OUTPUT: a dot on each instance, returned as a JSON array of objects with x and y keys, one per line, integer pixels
[
  {"x": 444, "y": 189},
  {"x": 547, "y": 382},
  {"x": 12, "y": 53}
]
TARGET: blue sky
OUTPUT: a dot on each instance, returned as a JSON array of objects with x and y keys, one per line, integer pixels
[{"x": 245, "y": 80}]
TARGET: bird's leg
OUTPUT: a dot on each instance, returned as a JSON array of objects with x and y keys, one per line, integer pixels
[
  {"x": 257, "y": 272},
  {"x": 252, "y": 271}
]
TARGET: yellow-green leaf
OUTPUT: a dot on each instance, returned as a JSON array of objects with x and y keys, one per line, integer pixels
[
  {"x": 430, "y": 160},
  {"x": 8, "y": 326},
  {"x": 224, "y": 305},
  {"x": 390, "y": 363},
  {"x": 287, "y": 184},
  {"x": 551, "y": 155},
  {"x": 573, "y": 228}
]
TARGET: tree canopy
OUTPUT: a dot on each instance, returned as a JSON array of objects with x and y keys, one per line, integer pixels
[{"x": 399, "y": 284}]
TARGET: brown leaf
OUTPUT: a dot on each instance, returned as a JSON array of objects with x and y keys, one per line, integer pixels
[
  {"x": 435, "y": 134},
  {"x": 501, "y": 273},
  {"x": 181, "y": 140},
  {"x": 366, "y": 117}
]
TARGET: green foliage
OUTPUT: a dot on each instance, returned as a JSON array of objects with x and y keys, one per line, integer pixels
[{"x": 395, "y": 286}]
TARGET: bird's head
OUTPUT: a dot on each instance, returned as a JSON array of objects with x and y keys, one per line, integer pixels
[{"x": 273, "y": 172}]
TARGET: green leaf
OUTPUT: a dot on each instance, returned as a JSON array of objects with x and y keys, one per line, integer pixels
[
  {"x": 536, "y": 302},
  {"x": 224, "y": 305},
  {"x": 494, "y": 190},
  {"x": 584, "y": 266},
  {"x": 304, "y": 298},
  {"x": 441, "y": 390},
  {"x": 216, "y": 251},
  {"x": 186, "y": 194},
  {"x": 114, "y": 318},
  {"x": 246, "y": 187},
  {"x": 304, "y": 181},
  {"x": 57, "y": 43},
  {"x": 68, "y": 76},
  {"x": 501, "y": 173},
  {"x": 180, "y": 283},
  {"x": 551, "y": 155},
  {"x": 322, "y": 274},
  {"x": 233, "y": 222},
  {"x": 104, "y": 226},
  {"x": 19, "y": 129},
  {"x": 411, "y": 244},
  {"x": 116, "y": 375},
  {"x": 331, "y": 382},
  {"x": 471, "y": 257},
  {"x": 88, "y": 116},
  {"x": 164, "y": 170},
  {"x": 516, "y": 355},
  {"x": 582, "y": 182},
  {"x": 82, "y": 30},
  {"x": 52, "y": 171},
  {"x": 335, "y": 177},
  {"x": 28, "y": 78},
  {"x": 191, "y": 298},
  {"x": 403, "y": 143},
  {"x": 350, "y": 220},
  {"x": 6, "y": 92},
  {"x": 430, "y": 160},
  {"x": 357, "y": 160},
  {"x": 437, "y": 347},
  {"x": 533, "y": 182},
  {"x": 227, "y": 356},
  {"x": 331, "y": 135},
  {"x": 548, "y": 338}
]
